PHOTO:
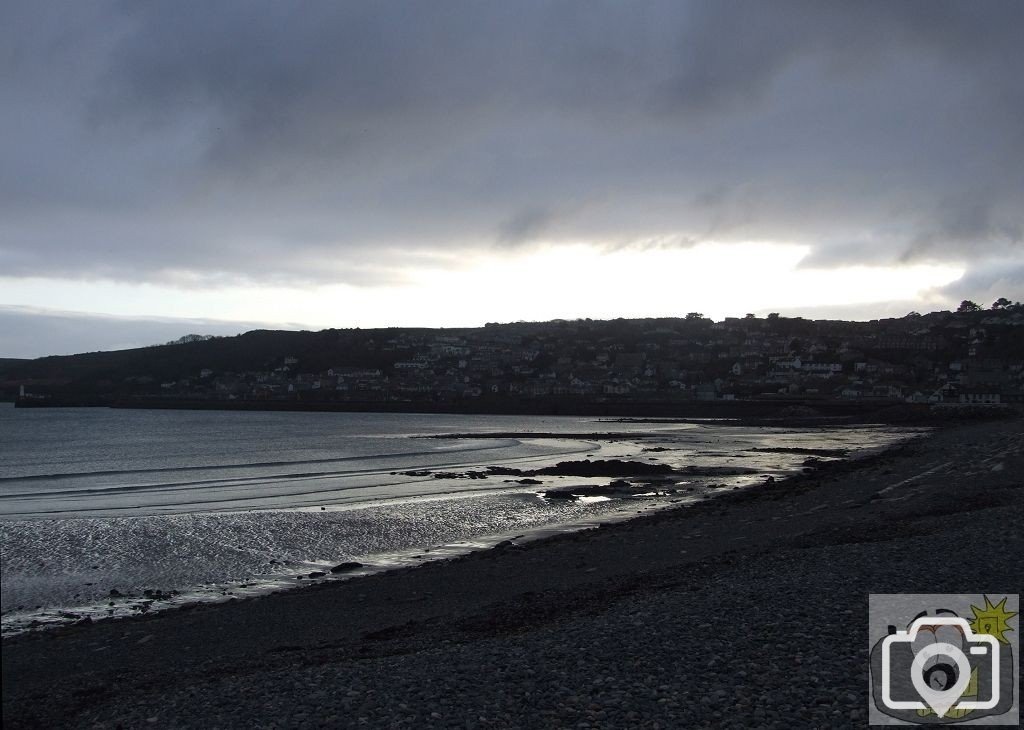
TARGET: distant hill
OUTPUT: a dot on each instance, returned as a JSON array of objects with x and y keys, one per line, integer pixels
[
  {"x": 7, "y": 363},
  {"x": 642, "y": 359},
  {"x": 255, "y": 350}
]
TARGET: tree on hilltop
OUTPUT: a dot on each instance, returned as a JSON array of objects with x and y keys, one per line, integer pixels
[
  {"x": 968, "y": 306},
  {"x": 187, "y": 339}
]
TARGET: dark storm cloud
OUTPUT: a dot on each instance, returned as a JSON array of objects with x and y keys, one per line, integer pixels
[
  {"x": 989, "y": 281},
  {"x": 525, "y": 225},
  {"x": 331, "y": 141}
]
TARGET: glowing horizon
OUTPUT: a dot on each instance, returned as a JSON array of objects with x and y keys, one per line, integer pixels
[{"x": 557, "y": 282}]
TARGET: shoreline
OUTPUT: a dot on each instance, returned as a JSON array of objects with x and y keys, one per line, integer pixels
[
  {"x": 316, "y": 576},
  {"x": 781, "y": 411},
  {"x": 515, "y": 593},
  {"x": 797, "y": 414},
  {"x": 627, "y": 486}
]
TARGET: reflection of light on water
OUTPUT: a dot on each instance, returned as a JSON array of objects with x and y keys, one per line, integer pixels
[{"x": 221, "y": 548}]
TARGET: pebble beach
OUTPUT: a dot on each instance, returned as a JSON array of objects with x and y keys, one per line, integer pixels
[{"x": 747, "y": 610}]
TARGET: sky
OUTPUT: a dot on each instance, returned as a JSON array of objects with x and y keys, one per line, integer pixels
[{"x": 211, "y": 167}]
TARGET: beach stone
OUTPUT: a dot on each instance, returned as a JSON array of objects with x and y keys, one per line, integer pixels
[
  {"x": 514, "y": 664},
  {"x": 346, "y": 567}
]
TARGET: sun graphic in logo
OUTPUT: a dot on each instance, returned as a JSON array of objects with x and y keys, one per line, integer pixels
[{"x": 992, "y": 619}]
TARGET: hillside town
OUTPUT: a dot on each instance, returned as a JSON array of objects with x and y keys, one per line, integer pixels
[{"x": 971, "y": 356}]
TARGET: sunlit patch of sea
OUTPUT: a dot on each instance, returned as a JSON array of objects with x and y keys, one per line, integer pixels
[{"x": 97, "y": 506}]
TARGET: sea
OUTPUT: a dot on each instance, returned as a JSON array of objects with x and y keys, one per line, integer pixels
[{"x": 115, "y": 512}]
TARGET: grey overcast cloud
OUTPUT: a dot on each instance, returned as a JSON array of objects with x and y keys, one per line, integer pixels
[{"x": 361, "y": 164}]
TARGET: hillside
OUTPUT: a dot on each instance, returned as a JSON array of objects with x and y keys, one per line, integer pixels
[{"x": 922, "y": 358}]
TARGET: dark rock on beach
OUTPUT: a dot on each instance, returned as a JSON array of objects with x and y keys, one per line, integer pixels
[
  {"x": 583, "y": 468},
  {"x": 617, "y": 488},
  {"x": 587, "y": 468},
  {"x": 346, "y": 567},
  {"x": 715, "y": 471},
  {"x": 620, "y": 468},
  {"x": 603, "y": 468},
  {"x": 799, "y": 450}
]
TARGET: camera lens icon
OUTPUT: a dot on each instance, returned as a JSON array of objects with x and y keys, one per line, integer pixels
[
  {"x": 940, "y": 671},
  {"x": 953, "y": 683}
]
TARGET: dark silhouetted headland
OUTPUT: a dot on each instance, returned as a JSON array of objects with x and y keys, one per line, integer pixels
[{"x": 685, "y": 367}]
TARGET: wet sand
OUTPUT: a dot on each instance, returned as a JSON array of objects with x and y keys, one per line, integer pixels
[{"x": 600, "y": 628}]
